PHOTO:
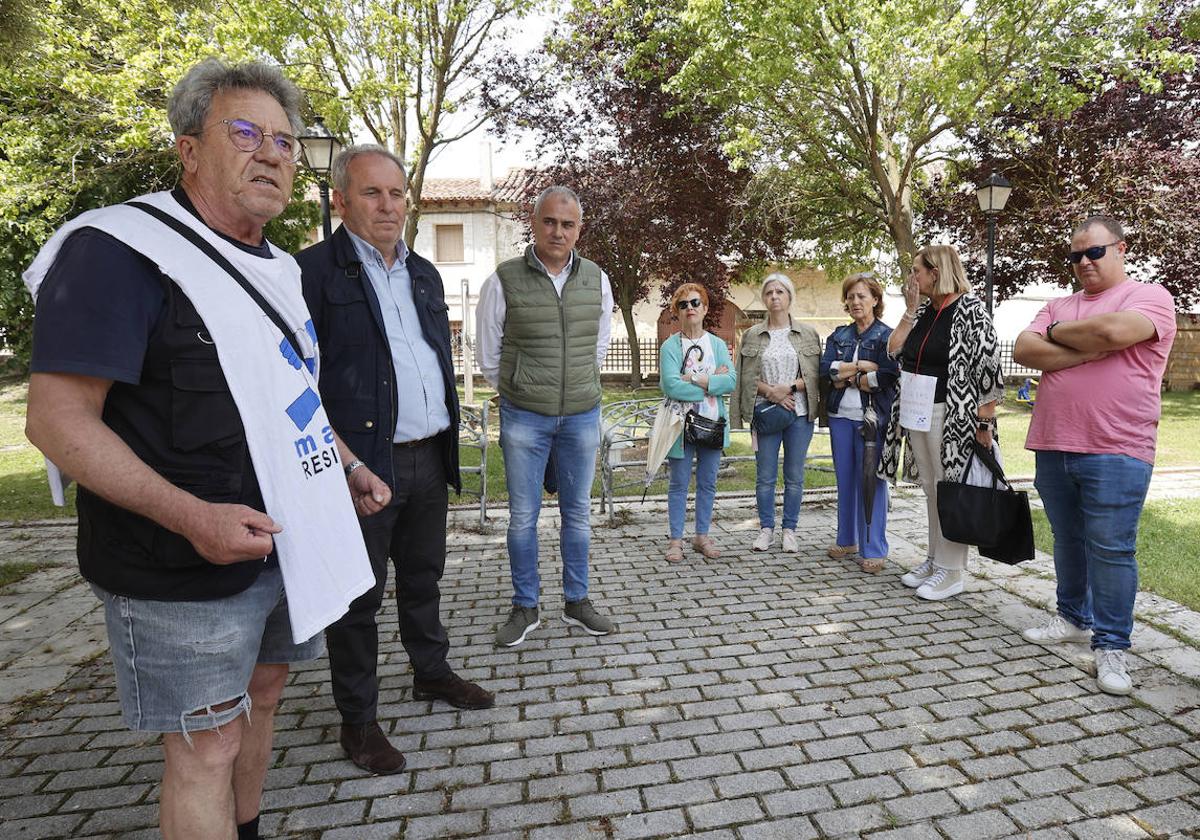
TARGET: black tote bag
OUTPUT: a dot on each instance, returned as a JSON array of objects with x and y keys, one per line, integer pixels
[{"x": 995, "y": 518}]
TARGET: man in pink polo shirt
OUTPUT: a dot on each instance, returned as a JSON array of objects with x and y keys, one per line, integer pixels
[{"x": 1103, "y": 350}]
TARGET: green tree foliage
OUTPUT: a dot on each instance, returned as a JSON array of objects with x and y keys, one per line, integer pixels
[
  {"x": 410, "y": 71},
  {"x": 1129, "y": 153},
  {"x": 841, "y": 107}
]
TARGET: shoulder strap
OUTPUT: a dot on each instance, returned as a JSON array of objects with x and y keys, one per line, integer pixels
[{"x": 216, "y": 256}]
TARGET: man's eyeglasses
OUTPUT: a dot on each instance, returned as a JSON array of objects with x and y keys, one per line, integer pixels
[
  {"x": 694, "y": 303},
  {"x": 1094, "y": 253},
  {"x": 248, "y": 137}
]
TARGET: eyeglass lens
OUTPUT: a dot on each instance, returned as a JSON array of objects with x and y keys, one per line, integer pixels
[
  {"x": 1094, "y": 253},
  {"x": 248, "y": 137},
  {"x": 694, "y": 303}
]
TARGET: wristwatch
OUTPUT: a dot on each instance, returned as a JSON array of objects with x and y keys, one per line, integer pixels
[
  {"x": 352, "y": 466},
  {"x": 692, "y": 378},
  {"x": 795, "y": 390},
  {"x": 1050, "y": 332}
]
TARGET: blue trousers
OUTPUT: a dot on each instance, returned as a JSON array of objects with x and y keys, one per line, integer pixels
[
  {"x": 845, "y": 438},
  {"x": 794, "y": 440},
  {"x": 526, "y": 438},
  {"x": 708, "y": 461},
  {"x": 1093, "y": 503}
]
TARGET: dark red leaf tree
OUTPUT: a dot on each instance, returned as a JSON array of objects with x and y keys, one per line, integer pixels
[
  {"x": 662, "y": 203},
  {"x": 1130, "y": 153}
]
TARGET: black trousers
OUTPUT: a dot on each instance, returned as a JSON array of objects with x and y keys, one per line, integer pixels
[{"x": 412, "y": 531}]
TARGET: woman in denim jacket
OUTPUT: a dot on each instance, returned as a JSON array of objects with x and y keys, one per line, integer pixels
[{"x": 862, "y": 373}]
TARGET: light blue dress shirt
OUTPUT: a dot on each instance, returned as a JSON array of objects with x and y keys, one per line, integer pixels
[{"x": 420, "y": 391}]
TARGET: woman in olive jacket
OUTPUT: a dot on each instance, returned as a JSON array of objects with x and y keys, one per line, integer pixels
[{"x": 778, "y": 362}]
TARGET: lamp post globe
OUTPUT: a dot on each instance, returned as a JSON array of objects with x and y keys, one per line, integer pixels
[
  {"x": 320, "y": 147},
  {"x": 993, "y": 195}
]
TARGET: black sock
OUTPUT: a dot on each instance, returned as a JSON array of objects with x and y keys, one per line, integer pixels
[{"x": 248, "y": 830}]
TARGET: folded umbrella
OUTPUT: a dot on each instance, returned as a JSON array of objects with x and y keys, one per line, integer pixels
[
  {"x": 870, "y": 433},
  {"x": 668, "y": 426}
]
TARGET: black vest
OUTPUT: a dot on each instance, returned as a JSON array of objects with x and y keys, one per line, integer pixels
[{"x": 181, "y": 420}]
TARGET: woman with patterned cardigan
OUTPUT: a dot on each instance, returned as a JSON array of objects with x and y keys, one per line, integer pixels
[{"x": 952, "y": 380}]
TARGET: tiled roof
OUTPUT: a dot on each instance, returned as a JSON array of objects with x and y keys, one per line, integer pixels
[{"x": 508, "y": 189}]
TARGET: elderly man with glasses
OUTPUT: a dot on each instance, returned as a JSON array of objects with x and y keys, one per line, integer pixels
[
  {"x": 543, "y": 324},
  {"x": 174, "y": 377},
  {"x": 1104, "y": 350}
]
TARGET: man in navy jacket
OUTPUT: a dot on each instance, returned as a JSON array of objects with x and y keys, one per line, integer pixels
[{"x": 387, "y": 382}]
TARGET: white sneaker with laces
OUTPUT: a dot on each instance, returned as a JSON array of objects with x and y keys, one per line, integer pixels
[
  {"x": 919, "y": 575},
  {"x": 790, "y": 544},
  {"x": 1111, "y": 674},
  {"x": 764, "y": 539},
  {"x": 1056, "y": 630},
  {"x": 942, "y": 584}
]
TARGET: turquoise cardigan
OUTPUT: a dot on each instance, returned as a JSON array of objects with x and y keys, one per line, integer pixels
[{"x": 670, "y": 359}]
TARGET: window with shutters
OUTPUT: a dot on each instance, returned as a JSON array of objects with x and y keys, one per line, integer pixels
[{"x": 449, "y": 243}]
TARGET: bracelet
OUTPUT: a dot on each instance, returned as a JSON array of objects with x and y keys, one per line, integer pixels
[
  {"x": 352, "y": 466},
  {"x": 908, "y": 316},
  {"x": 985, "y": 422}
]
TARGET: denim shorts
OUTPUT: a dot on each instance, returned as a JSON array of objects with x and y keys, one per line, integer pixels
[{"x": 177, "y": 660}]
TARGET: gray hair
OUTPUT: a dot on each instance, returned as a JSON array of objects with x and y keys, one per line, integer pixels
[
  {"x": 1107, "y": 222},
  {"x": 339, "y": 172},
  {"x": 557, "y": 189},
  {"x": 190, "y": 101},
  {"x": 782, "y": 280}
]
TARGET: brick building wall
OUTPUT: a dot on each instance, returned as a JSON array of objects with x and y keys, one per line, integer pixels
[{"x": 1183, "y": 367}]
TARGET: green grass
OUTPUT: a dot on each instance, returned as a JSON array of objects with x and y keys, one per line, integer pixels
[
  {"x": 18, "y": 570},
  {"x": 1178, "y": 432},
  {"x": 1168, "y": 553}
]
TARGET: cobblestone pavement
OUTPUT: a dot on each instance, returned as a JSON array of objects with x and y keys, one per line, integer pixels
[{"x": 755, "y": 696}]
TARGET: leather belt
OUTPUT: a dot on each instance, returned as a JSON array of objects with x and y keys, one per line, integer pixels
[{"x": 412, "y": 444}]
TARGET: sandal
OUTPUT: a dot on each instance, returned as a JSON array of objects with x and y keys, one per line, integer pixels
[
  {"x": 872, "y": 565},
  {"x": 841, "y": 552},
  {"x": 705, "y": 545},
  {"x": 675, "y": 551}
]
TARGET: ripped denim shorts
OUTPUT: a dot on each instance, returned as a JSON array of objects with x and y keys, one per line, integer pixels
[{"x": 177, "y": 660}]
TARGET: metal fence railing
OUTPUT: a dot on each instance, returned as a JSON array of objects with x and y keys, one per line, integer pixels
[{"x": 618, "y": 358}]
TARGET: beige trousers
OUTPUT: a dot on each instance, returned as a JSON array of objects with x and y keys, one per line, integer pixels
[{"x": 927, "y": 452}]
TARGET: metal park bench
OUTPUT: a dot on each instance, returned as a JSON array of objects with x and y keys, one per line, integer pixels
[{"x": 473, "y": 434}]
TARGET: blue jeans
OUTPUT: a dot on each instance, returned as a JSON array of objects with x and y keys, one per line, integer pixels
[
  {"x": 708, "y": 461},
  {"x": 794, "y": 439},
  {"x": 526, "y": 438},
  {"x": 1093, "y": 503},
  {"x": 846, "y": 441}
]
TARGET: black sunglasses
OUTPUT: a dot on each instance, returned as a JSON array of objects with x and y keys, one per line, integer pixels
[
  {"x": 1094, "y": 253},
  {"x": 694, "y": 303}
]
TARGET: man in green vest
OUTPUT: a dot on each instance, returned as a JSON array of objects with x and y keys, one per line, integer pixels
[{"x": 543, "y": 324}]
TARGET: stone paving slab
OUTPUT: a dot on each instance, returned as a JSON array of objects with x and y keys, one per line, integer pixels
[{"x": 755, "y": 696}]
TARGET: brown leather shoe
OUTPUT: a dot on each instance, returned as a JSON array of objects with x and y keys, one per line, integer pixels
[
  {"x": 370, "y": 749},
  {"x": 454, "y": 690}
]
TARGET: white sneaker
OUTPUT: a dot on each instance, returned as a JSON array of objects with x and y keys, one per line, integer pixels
[
  {"x": 1111, "y": 675},
  {"x": 942, "y": 584},
  {"x": 918, "y": 575},
  {"x": 764, "y": 539},
  {"x": 1057, "y": 629},
  {"x": 790, "y": 544}
]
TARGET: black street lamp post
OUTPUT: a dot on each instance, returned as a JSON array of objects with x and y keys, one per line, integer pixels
[
  {"x": 320, "y": 148},
  {"x": 992, "y": 195}
]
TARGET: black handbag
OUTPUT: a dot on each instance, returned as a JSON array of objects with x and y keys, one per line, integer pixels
[
  {"x": 995, "y": 518},
  {"x": 699, "y": 430}
]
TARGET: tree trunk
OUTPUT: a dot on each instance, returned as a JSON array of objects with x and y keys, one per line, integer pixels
[{"x": 635, "y": 348}]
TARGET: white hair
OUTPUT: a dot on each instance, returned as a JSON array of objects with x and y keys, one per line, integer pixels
[{"x": 782, "y": 280}]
